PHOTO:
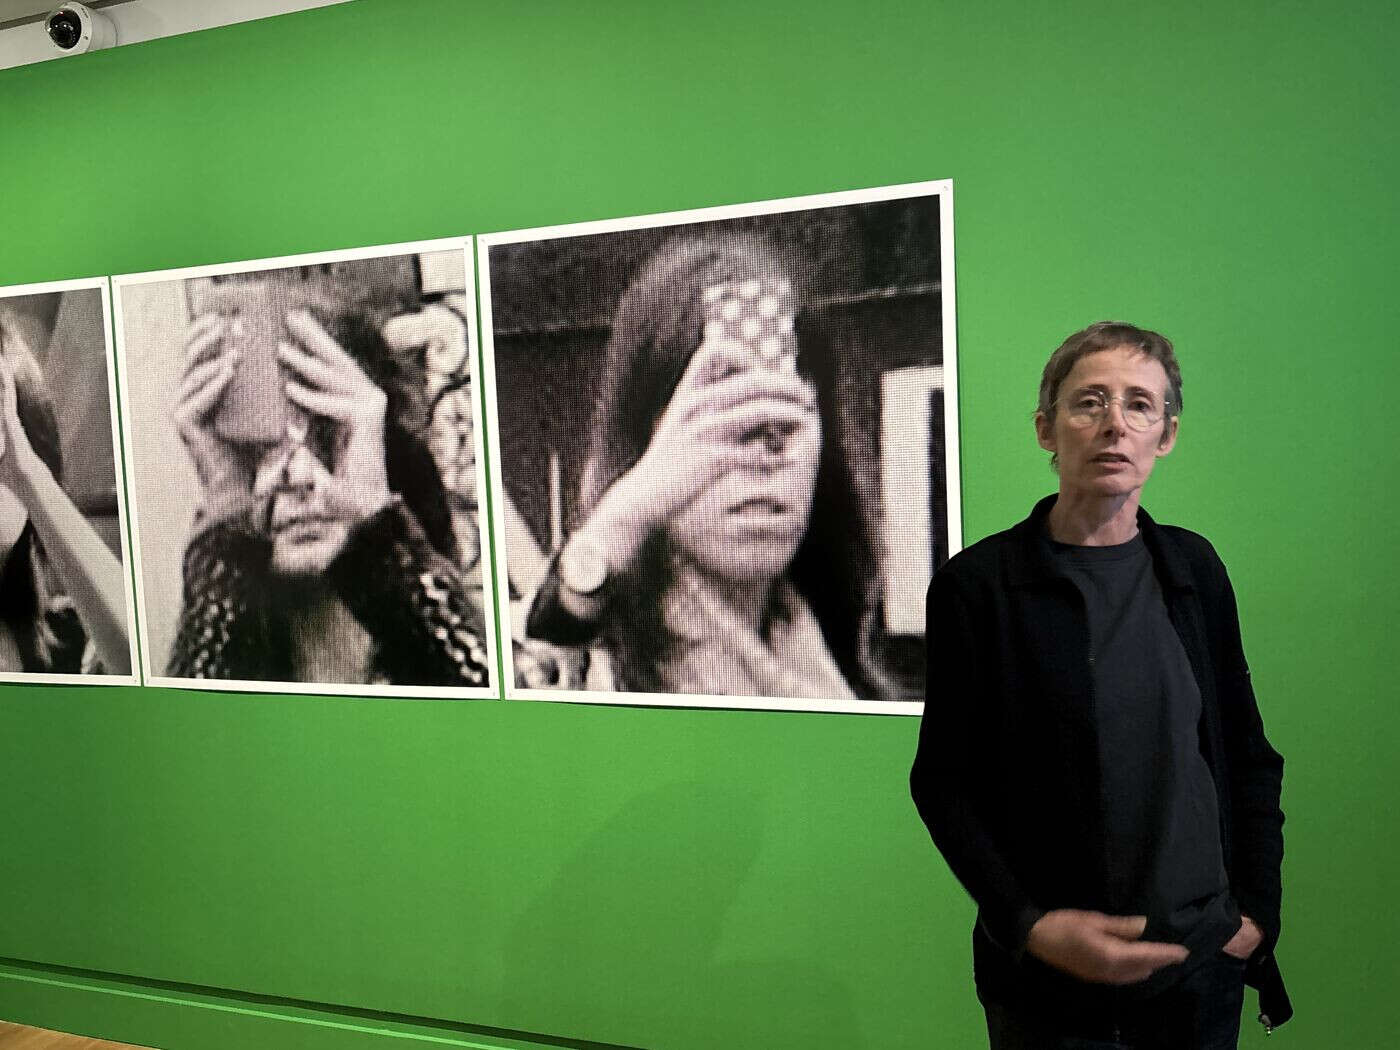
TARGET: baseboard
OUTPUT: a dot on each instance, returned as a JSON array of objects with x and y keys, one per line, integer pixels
[{"x": 183, "y": 1017}]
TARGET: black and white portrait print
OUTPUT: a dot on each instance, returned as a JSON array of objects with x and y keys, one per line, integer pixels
[
  {"x": 724, "y": 452},
  {"x": 65, "y": 606},
  {"x": 304, "y": 462}
]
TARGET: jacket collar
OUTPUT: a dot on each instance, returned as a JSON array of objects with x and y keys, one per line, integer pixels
[{"x": 1032, "y": 559}]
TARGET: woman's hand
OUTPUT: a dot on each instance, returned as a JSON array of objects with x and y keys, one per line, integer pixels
[
  {"x": 325, "y": 381},
  {"x": 1099, "y": 948},
  {"x": 209, "y": 366},
  {"x": 1246, "y": 939},
  {"x": 719, "y": 419},
  {"x": 724, "y": 416}
]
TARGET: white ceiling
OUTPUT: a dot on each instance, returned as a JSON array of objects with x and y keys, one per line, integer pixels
[
  {"x": 12, "y": 9},
  {"x": 136, "y": 21}
]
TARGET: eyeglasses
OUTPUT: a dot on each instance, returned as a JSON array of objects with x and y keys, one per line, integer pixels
[{"x": 1089, "y": 407}]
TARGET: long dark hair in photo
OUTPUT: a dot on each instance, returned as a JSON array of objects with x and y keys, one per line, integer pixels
[{"x": 657, "y": 329}]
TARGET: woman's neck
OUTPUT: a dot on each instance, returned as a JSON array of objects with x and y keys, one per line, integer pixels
[
  {"x": 1093, "y": 521},
  {"x": 746, "y": 600},
  {"x": 328, "y": 643}
]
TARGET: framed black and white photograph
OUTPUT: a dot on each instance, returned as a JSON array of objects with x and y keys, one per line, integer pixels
[
  {"x": 66, "y": 607},
  {"x": 305, "y": 461},
  {"x": 724, "y": 450}
]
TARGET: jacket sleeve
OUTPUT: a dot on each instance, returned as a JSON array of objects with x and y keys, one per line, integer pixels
[
  {"x": 413, "y": 602},
  {"x": 1255, "y": 776},
  {"x": 216, "y": 635},
  {"x": 948, "y": 780}
]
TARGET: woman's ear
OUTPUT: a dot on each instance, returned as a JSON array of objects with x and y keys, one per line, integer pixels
[
  {"x": 1045, "y": 432},
  {"x": 1169, "y": 433}
]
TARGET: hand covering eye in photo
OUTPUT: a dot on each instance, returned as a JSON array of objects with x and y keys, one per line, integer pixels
[
  {"x": 696, "y": 483},
  {"x": 303, "y": 464}
]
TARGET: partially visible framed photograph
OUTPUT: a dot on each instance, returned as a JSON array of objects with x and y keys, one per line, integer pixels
[{"x": 66, "y": 607}]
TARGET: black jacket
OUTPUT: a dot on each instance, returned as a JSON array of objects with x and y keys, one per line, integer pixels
[{"x": 1002, "y": 758}]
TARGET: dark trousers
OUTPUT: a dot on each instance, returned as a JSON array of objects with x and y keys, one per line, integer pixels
[{"x": 1199, "y": 1012}]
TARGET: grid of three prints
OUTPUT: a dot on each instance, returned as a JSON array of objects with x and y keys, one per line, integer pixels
[{"x": 722, "y": 462}]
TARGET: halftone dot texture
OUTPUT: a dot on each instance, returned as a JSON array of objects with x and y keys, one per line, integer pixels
[{"x": 756, "y": 314}]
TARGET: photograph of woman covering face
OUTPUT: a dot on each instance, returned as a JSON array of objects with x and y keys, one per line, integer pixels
[
  {"x": 64, "y": 607},
  {"x": 695, "y": 493},
  {"x": 306, "y": 432}
]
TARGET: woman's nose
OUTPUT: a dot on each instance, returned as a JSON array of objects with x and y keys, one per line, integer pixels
[
  {"x": 300, "y": 469},
  {"x": 1113, "y": 416}
]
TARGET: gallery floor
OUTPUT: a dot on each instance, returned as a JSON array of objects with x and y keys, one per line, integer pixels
[{"x": 18, "y": 1037}]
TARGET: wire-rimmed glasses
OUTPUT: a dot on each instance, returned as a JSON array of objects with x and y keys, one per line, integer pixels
[{"x": 1088, "y": 408}]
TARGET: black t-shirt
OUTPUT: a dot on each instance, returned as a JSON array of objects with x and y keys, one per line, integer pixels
[{"x": 1157, "y": 803}]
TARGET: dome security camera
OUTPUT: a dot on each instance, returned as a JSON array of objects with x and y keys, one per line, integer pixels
[{"x": 76, "y": 29}]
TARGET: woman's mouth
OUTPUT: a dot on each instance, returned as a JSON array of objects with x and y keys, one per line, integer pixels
[
  {"x": 759, "y": 507},
  {"x": 301, "y": 527}
]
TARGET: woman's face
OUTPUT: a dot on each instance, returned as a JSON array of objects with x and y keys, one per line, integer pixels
[
  {"x": 747, "y": 526},
  {"x": 306, "y": 532}
]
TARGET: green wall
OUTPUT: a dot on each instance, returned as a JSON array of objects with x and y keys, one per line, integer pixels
[{"x": 212, "y": 870}]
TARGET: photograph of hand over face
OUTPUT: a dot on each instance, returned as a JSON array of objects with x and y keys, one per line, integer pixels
[
  {"x": 303, "y": 455},
  {"x": 720, "y": 451},
  {"x": 65, "y": 606}
]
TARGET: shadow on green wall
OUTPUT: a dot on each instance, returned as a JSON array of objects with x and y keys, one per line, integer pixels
[{"x": 626, "y": 917}]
